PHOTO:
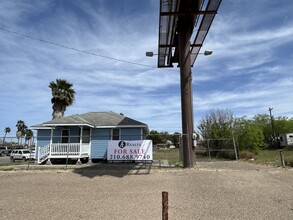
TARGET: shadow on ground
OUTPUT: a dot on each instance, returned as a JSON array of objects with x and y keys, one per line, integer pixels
[{"x": 113, "y": 169}]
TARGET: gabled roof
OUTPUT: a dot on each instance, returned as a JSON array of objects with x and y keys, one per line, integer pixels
[{"x": 93, "y": 119}]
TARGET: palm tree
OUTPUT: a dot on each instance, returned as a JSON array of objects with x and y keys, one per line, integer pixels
[
  {"x": 7, "y": 130},
  {"x": 63, "y": 96},
  {"x": 21, "y": 128},
  {"x": 28, "y": 135}
]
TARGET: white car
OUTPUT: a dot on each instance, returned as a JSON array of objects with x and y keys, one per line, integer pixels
[{"x": 21, "y": 154}]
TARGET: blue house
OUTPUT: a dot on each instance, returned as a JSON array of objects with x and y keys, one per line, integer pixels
[{"x": 84, "y": 136}]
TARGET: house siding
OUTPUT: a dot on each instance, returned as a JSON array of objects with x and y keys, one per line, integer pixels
[
  {"x": 99, "y": 143},
  {"x": 43, "y": 139},
  {"x": 130, "y": 134}
]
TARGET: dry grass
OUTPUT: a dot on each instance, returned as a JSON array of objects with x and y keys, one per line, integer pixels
[{"x": 272, "y": 157}]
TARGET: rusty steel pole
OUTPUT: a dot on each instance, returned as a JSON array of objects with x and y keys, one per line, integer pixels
[
  {"x": 184, "y": 34},
  {"x": 164, "y": 205}
]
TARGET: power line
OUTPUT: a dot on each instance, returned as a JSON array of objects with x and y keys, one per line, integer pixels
[{"x": 78, "y": 50}]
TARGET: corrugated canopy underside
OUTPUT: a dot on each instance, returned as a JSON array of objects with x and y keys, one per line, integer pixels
[{"x": 169, "y": 13}]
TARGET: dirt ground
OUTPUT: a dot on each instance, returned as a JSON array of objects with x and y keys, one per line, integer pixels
[{"x": 212, "y": 190}]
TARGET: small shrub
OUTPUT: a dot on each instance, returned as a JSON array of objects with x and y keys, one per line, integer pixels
[
  {"x": 226, "y": 154},
  {"x": 289, "y": 162},
  {"x": 246, "y": 155},
  {"x": 201, "y": 153}
]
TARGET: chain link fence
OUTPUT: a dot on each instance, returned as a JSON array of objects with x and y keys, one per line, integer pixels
[
  {"x": 171, "y": 152},
  {"x": 217, "y": 149},
  {"x": 17, "y": 143},
  {"x": 166, "y": 147}
]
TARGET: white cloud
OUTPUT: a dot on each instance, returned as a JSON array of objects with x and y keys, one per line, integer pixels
[{"x": 249, "y": 71}]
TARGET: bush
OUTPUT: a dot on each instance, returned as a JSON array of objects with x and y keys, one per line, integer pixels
[
  {"x": 226, "y": 154},
  {"x": 246, "y": 155},
  {"x": 252, "y": 139},
  {"x": 289, "y": 162},
  {"x": 201, "y": 152}
]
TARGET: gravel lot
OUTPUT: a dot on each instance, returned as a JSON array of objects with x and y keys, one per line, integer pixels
[
  {"x": 214, "y": 190},
  {"x": 4, "y": 159}
]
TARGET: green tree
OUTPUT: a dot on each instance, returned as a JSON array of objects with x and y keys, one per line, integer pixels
[
  {"x": 263, "y": 121},
  {"x": 62, "y": 96},
  {"x": 7, "y": 130},
  {"x": 159, "y": 137},
  {"x": 283, "y": 125},
  {"x": 251, "y": 138},
  {"x": 216, "y": 126},
  {"x": 175, "y": 138}
]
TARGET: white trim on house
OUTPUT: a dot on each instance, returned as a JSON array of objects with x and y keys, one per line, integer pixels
[
  {"x": 123, "y": 126},
  {"x": 127, "y": 126},
  {"x": 40, "y": 128},
  {"x": 59, "y": 125}
]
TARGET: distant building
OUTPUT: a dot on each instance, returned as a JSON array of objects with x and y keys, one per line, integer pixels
[{"x": 286, "y": 140}]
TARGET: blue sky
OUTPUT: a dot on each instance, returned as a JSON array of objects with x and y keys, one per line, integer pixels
[{"x": 249, "y": 71}]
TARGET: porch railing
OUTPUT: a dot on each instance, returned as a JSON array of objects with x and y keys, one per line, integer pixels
[
  {"x": 85, "y": 149},
  {"x": 43, "y": 153},
  {"x": 54, "y": 150},
  {"x": 65, "y": 149}
]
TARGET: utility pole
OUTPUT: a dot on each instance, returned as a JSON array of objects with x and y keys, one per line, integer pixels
[
  {"x": 273, "y": 127},
  {"x": 184, "y": 35}
]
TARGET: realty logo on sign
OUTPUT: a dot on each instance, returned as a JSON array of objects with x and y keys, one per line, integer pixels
[{"x": 121, "y": 144}]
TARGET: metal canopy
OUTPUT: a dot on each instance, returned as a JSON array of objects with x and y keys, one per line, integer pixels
[{"x": 199, "y": 14}]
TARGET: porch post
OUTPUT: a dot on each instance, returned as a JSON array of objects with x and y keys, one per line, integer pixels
[
  {"x": 50, "y": 147},
  {"x": 51, "y": 138},
  {"x": 80, "y": 140},
  {"x": 48, "y": 162},
  {"x": 80, "y": 145},
  {"x": 90, "y": 148}
]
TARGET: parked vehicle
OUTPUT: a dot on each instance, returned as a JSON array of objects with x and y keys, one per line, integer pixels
[
  {"x": 22, "y": 154},
  {"x": 5, "y": 151}
]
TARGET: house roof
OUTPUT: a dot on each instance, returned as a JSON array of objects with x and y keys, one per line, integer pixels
[{"x": 93, "y": 119}]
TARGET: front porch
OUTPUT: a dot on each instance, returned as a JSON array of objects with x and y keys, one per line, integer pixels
[{"x": 63, "y": 150}]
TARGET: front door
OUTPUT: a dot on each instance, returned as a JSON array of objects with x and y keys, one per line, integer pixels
[{"x": 65, "y": 136}]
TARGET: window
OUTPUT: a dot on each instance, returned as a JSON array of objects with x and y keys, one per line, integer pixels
[
  {"x": 86, "y": 135},
  {"x": 116, "y": 134},
  {"x": 65, "y": 136}
]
